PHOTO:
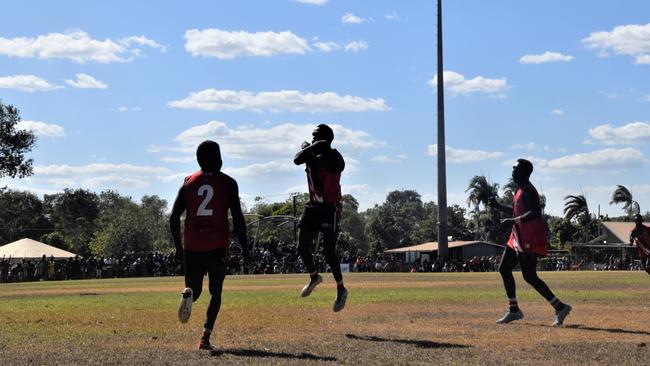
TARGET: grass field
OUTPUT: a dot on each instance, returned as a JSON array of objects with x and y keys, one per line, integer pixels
[{"x": 390, "y": 319}]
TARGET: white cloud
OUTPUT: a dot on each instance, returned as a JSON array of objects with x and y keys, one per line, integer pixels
[
  {"x": 632, "y": 40},
  {"x": 356, "y": 46},
  {"x": 259, "y": 170},
  {"x": 631, "y": 133},
  {"x": 283, "y": 100},
  {"x": 327, "y": 46},
  {"x": 313, "y": 2},
  {"x": 232, "y": 44},
  {"x": 606, "y": 160},
  {"x": 546, "y": 57},
  {"x": 458, "y": 84},
  {"x": 126, "y": 169},
  {"x": 557, "y": 112},
  {"x": 531, "y": 146},
  {"x": 142, "y": 41},
  {"x": 85, "y": 81},
  {"x": 387, "y": 159},
  {"x": 392, "y": 16},
  {"x": 276, "y": 142},
  {"x": 74, "y": 45},
  {"x": 42, "y": 128},
  {"x": 126, "y": 109},
  {"x": 350, "y": 18},
  {"x": 99, "y": 176},
  {"x": 645, "y": 98},
  {"x": 464, "y": 156},
  {"x": 29, "y": 83}
]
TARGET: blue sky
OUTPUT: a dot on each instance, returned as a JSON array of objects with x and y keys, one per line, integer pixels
[{"x": 121, "y": 93}]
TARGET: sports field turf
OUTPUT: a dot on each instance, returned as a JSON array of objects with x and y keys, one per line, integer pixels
[{"x": 390, "y": 319}]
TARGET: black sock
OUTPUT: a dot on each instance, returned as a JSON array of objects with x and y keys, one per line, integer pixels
[
  {"x": 339, "y": 286},
  {"x": 206, "y": 335},
  {"x": 512, "y": 305},
  {"x": 557, "y": 304}
]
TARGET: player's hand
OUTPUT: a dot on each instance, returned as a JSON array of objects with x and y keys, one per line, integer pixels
[
  {"x": 178, "y": 256},
  {"x": 304, "y": 145}
]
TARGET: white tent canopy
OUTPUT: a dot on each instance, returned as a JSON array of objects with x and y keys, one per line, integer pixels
[{"x": 28, "y": 248}]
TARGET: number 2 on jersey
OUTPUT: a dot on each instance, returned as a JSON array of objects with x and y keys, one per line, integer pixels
[{"x": 208, "y": 192}]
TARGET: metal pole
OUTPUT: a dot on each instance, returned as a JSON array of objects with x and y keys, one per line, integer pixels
[
  {"x": 443, "y": 252},
  {"x": 295, "y": 234}
]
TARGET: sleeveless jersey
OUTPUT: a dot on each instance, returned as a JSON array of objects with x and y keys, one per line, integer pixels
[
  {"x": 206, "y": 211},
  {"x": 529, "y": 236}
]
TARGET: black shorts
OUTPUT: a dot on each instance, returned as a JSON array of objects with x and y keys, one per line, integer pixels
[
  {"x": 320, "y": 217},
  {"x": 197, "y": 264}
]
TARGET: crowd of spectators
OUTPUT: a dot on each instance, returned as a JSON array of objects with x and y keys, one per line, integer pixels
[{"x": 268, "y": 257}]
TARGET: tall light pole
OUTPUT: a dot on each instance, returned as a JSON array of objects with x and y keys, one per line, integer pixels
[{"x": 443, "y": 251}]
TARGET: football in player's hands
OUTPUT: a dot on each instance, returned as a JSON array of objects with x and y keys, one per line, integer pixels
[{"x": 304, "y": 144}]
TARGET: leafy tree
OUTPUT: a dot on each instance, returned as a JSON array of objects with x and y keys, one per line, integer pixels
[
  {"x": 155, "y": 218},
  {"x": 353, "y": 224},
  {"x": 14, "y": 144},
  {"x": 624, "y": 196},
  {"x": 398, "y": 220},
  {"x": 122, "y": 233},
  {"x": 74, "y": 213},
  {"x": 21, "y": 216}
]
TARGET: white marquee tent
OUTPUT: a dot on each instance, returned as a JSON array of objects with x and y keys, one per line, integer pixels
[{"x": 28, "y": 248}]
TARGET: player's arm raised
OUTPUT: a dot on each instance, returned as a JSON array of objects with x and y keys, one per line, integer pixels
[
  {"x": 238, "y": 221},
  {"x": 175, "y": 223}
]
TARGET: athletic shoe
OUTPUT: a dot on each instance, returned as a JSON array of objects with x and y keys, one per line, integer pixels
[
  {"x": 185, "y": 307},
  {"x": 341, "y": 297},
  {"x": 510, "y": 317},
  {"x": 206, "y": 345},
  {"x": 306, "y": 291},
  {"x": 560, "y": 315}
]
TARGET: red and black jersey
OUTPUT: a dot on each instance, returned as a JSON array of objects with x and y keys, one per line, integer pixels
[
  {"x": 528, "y": 236},
  {"x": 206, "y": 206},
  {"x": 642, "y": 241},
  {"x": 324, "y": 177}
]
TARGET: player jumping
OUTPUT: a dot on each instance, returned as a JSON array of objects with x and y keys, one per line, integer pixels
[
  {"x": 527, "y": 242},
  {"x": 640, "y": 237},
  {"x": 323, "y": 211},
  {"x": 205, "y": 197}
]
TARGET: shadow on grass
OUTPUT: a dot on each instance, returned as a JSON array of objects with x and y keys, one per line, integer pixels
[
  {"x": 265, "y": 354},
  {"x": 609, "y": 330},
  {"x": 415, "y": 342},
  {"x": 595, "y": 329}
]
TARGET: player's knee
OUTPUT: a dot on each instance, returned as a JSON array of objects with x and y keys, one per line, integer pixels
[{"x": 530, "y": 276}]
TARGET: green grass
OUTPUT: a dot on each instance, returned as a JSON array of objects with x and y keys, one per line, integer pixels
[{"x": 389, "y": 319}]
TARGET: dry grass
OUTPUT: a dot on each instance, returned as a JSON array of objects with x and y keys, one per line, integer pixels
[{"x": 390, "y": 319}]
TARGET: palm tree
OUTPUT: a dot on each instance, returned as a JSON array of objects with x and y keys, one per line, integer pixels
[
  {"x": 576, "y": 207},
  {"x": 624, "y": 196},
  {"x": 480, "y": 193}
]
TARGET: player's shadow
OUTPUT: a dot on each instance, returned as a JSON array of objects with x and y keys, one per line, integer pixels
[
  {"x": 269, "y": 354},
  {"x": 595, "y": 329},
  {"x": 415, "y": 342},
  {"x": 609, "y": 330}
]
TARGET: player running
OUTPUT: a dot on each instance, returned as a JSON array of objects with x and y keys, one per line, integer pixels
[
  {"x": 324, "y": 166},
  {"x": 205, "y": 197},
  {"x": 640, "y": 237},
  {"x": 527, "y": 242}
]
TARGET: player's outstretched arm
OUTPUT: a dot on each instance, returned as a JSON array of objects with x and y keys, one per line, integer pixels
[
  {"x": 501, "y": 207},
  {"x": 175, "y": 223},
  {"x": 238, "y": 221}
]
